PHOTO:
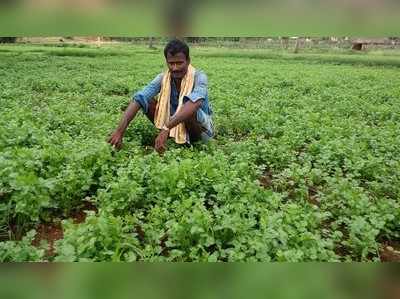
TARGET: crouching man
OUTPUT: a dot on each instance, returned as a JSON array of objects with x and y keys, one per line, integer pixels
[{"x": 176, "y": 102}]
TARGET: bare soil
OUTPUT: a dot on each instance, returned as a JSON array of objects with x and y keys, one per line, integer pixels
[
  {"x": 390, "y": 251},
  {"x": 51, "y": 232}
]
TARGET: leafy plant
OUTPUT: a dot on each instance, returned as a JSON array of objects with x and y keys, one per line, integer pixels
[{"x": 304, "y": 167}]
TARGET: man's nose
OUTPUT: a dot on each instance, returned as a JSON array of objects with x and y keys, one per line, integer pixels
[{"x": 174, "y": 67}]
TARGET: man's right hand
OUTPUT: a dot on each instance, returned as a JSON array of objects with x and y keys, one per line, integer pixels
[{"x": 116, "y": 139}]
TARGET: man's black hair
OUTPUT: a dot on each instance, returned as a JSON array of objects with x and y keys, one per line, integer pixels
[{"x": 176, "y": 46}]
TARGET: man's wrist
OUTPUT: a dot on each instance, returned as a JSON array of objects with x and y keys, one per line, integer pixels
[
  {"x": 120, "y": 131},
  {"x": 165, "y": 128}
]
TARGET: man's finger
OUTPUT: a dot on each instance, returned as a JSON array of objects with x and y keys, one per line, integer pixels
[
  {"x": 161, "y": 150},
  {"x": 157, "y": 147},
  {"x": 113, "y": 140}
]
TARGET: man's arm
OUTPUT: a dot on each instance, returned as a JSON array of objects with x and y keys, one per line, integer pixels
[
  {"x": 139, "y": 100},
  {"x": 193, "y": 101},
  {"x": 130, "y": 112},
  {"x": 186, "y": 112}
]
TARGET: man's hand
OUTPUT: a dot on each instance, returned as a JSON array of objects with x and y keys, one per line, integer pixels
[
  {"x": 187, "y": 111},
  {"x": 116, "y": 139},
  {"x": 161, "y": 140}
]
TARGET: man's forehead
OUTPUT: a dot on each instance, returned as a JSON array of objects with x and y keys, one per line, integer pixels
[{"x": 177, "y": 57}]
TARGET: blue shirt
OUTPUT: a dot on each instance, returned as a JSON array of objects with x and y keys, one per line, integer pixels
[{"x": 200, "y": 91}]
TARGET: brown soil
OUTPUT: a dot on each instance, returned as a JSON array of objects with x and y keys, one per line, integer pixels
[
  {"x": 163, "y": 240},
  {"x": 341, "y": 251},
  {"x": 140, "y": 233},
  {"x": 390, "y": 251},
  {"x": 49, "y": 232},
  {"x": 79, "y": 215},
  {"x": 141, "y": 236},
  {"x": 313, "y": 196},
  {"x": 266, "y": 179}
]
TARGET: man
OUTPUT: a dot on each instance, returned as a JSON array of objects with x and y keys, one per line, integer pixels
[{"x": 182, "y": 110}]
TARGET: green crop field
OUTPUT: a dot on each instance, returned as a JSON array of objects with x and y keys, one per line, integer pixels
[{"x": 305, "y": 165}]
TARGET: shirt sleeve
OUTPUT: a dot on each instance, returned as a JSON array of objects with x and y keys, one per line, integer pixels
[
  {"x": 144, "y": 96},
  {"x": 200, "y": 88}
]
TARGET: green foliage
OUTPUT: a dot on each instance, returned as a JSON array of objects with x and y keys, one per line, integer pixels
[
  {"x": 305, "y": 165},
  {"x": 22, "y": 251},
  {"x": 99, "y": 238}
]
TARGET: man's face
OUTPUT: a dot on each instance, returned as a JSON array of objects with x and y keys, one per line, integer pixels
[{"x": 178, "y": 65}]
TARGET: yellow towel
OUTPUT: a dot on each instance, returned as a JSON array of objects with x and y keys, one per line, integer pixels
[{"x": 162, "y": 114}]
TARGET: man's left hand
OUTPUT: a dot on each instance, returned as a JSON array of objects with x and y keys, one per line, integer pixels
[{"x": 161, "y": 140}]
